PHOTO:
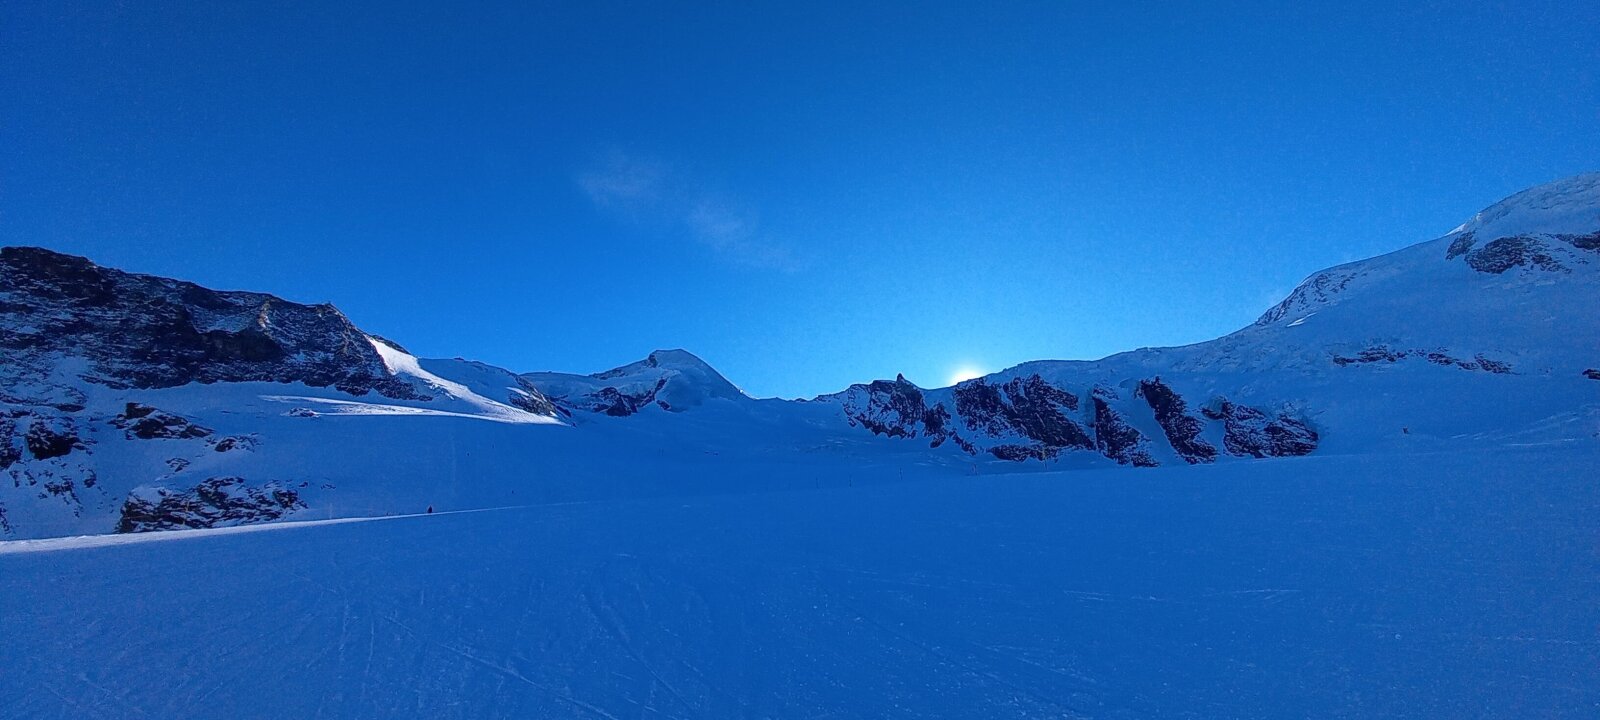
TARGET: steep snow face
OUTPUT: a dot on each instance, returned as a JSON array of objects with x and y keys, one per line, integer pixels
[
  {"x": 496, "y": 384},
  {"x": 1511, "y": 285},
  {"x": 522, "y": 403},
  {"x": 672, "y": 380},
  {"x": 1568, "y": 206}
]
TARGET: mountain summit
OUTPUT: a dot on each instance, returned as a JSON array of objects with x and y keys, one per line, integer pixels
[{"x": 671, "y": 380}]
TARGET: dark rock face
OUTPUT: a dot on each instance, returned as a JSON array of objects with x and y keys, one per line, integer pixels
[
  {"x": 50, "y": 437},
  {"x": 1114, "y": 437},
  {"x": 1249, "y": 432},
  {"x": 45, "y": 456},
  {"x": 617, "y": 403},
  {"x": 1386, "y": 354},
  {"x": 1028, "y": 418},
  {"x": 1505, "y": 253},
  {"x": 896, "y": 409},
  {"x": 1590, "y": 241},
  {"x": 234, "y": 442},
  {"x": 143, "y": 422},
  {"x": 527, "y": 398},
  {"x": 140, "y": 331},
  {"x": 1495, "y": 366},
  {"x": 1591, "y": 373},
  {"x": 1027, "y": 406},
  {"x": 1318, "y": 289},
  {"x": 1181, "y": 428},
  {"x": 213, "y": 503},
  {"x": 1378, "y": 353},
  {"x": 1460, "y": 246},
  {"x": 10, "y": 445},
  {"x": 1018, "y": 453}
]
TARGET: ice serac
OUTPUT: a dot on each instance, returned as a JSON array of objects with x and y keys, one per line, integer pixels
[{"x": 670, "y": 380}]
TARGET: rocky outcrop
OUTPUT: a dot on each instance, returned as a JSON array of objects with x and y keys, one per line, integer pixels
[
  {"x": 216, "y": 502},
  {"x": 1114, "y": 437},
  {"x": 233, "y": 442},
  {"x": 50, "y": 437},
  {"x": 140, "y": 331},
  {"x": 527, "y": 398},
  {"x": 10, "y": 438},
  {"x": 143, "y": 422},
  {"x": 1029, "y": 418},
  {"x": 44, "y": 456},
  {"x": 1587, "y": 241},
  {"x": 1027, "y": 407},
  {"x": 893, "y": 408},
  {"x": 1500, "y": 255},
  {"x": 1018, "y": 453},
  {"x": 1182, "y": 429},
  {"x": 618, "y": 403},
  {"x": 1248, "y": 432},
  {"x": 1461, "y": 245},
  {"x": 1319, "y": 289},
  {"x": 1386, "y": 354}
]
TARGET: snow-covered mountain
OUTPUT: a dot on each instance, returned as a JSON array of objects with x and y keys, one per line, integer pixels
[
  {"x": 672, "y": 380},
  {"x": 130, "y": 402}
]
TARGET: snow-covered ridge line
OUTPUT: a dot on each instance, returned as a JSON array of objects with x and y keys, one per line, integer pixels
[{"x": 134, "y": 402}]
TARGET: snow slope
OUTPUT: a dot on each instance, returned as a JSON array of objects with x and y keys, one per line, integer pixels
[
  {"x": 1481, "y": 336},
  {"x": 129, "y": 402},
  {"x": 1423, "y": 585}
]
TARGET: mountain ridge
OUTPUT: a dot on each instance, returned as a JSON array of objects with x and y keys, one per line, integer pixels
[{"x": 135, "y": 402}]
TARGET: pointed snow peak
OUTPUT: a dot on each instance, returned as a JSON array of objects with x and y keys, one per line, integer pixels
[
  {"x": 676, "y": 358},
  {"x": 685, "y": 379},
  {"x": 680, "y": 360},
  {"x": 1569, "y": 205}
]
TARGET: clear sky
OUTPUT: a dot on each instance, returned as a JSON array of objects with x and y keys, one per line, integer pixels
[{"x": 804, "y": 194}]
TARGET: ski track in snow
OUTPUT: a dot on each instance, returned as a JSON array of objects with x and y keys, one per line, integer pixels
[
  {"x": 1422, "y": 586},
  {"x": 83, "y": 542}
]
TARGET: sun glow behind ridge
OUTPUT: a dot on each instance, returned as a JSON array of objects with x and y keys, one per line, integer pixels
[{"x": 965, "y": 372}]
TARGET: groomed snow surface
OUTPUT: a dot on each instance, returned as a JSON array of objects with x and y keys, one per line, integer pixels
[{"x": 1423, "y": 585}]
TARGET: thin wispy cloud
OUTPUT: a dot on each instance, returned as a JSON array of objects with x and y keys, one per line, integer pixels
[
  {"x": 735, "y": 234},
  {"x": 649, "y": 190},
  {"x": 619, "y": 181}
]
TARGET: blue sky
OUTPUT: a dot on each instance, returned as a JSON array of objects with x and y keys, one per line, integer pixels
[{"x": 805, "y": 194}]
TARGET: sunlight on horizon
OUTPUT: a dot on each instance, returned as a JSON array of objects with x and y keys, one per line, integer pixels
[{"x": 964, "y": 373}]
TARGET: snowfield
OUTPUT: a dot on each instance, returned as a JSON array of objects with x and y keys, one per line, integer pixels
[
  {"x": 1378, "y": 500},
  {"x": 1423, "y": 585}
]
